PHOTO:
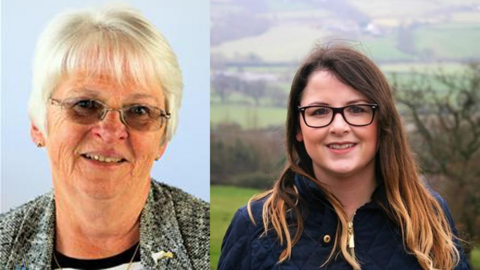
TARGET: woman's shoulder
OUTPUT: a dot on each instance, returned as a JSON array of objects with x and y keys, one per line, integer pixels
[
  {"x": 180, "y": 198},
  {"x": 438, "y": 197},
  {"x": 20, "y": 224},
  {"x": 248, "y": 219},
  {"x": 443, "y": 204},
  {"x": 463, "y": 264},
  {"x": 188, "y": 216},
  {"x": 253, "y": 210},
  {"x": 30, "y": 211},
  {"x": 188, "y": 209},
  {"x": 245, "y": 229}
]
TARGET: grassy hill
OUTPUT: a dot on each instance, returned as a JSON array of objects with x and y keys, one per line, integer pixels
[{"x": 224, "y": 202}]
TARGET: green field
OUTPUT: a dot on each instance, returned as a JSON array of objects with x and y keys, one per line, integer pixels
[
  {"x": 310, "y": 13},
  {"x": 283, "y": 43},
  {"x": 423, "y": 68},
  {"x": 475, "y": 262},
  {"x": 403, "y": 10},
  {"x": 224, "y": 202},
  {"x": 454, "y": 41},
  {"x": 262, "y": 69},
  {"x": 397, "y": 9},
  {"x": 384, "y": 49},
  {"x": 249, "y": 117},
  {"x": 466, "y": 17}
]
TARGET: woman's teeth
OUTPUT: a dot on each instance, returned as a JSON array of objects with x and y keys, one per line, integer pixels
[
  {"x": 341, "y": 146},
  {"x": 103, "y": 159}
]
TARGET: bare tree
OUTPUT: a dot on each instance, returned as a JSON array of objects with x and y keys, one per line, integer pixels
[
  {"x": 444, "y": 120},
  {"x": 224, "y": 85},
  {"x": 256, "y": 89}
]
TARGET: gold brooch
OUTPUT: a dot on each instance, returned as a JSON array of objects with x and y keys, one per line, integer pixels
[{"x": 161, "y": 255}]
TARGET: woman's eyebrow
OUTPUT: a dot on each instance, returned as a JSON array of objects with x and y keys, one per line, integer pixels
[
  {"x": 358, "y": 101},
  {"x": 318, "y": 103},
  {"x": 95, "y": 94},
  {"x": 138, "y": 96},
  {"x": 355, "y": 101},
  {"x": 86, "y": 92}
]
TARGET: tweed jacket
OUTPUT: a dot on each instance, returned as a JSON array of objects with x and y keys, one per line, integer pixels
[{"x": 171, "y": 220}]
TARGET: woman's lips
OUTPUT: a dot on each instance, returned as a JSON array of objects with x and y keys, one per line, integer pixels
[
  {"x": 103, "y": 161},
  {"x": 341, "y": 148},
  {"x": 103, "y": 158}
]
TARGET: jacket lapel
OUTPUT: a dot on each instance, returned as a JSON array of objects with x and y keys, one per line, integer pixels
[
  {"x": 159, "y": 231},
  {"x": 37, "y": 252}
]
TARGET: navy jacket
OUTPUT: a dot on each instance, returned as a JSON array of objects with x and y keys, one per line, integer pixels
[{"x": 378, "y": 242}]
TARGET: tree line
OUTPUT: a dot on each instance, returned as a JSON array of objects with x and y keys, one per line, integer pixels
[{"x": 257, "y": 91}]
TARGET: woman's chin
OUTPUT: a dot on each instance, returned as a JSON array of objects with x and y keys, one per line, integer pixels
[
  {"x": 101, "y": 188},
  {"x": 341, "y": 169}
]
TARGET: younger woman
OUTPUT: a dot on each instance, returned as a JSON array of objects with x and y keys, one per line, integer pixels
[{"x": 350, "y": 195}]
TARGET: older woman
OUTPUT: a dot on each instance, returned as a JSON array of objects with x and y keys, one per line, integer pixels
[{"x": 107, "y": 88}]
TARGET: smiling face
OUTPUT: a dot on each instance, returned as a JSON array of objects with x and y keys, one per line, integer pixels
[
  {"x": 104, "y": 159},
  {"x": 338, "y": 150}
]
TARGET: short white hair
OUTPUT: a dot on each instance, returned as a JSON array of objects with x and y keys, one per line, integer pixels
[{"x": 114, "y": 41}]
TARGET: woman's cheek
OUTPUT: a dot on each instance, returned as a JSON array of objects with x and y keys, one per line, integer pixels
[{"x": 143, "y": 153}]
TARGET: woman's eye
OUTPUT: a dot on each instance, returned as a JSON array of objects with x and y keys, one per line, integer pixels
[
  {"x": 140, "y": 110},
  {"x": 320, "y": 111},
  {"x": 87, "y": 104},
  {"x": 356, "y": 109}
]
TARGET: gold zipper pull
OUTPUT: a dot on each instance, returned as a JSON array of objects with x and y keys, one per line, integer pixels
[{"x": 351, "y": 241}]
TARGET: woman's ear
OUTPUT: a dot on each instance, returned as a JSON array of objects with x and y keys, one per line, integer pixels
[
  {"x": 36, "y": 135},
  {"x": 299, "y": 136}
]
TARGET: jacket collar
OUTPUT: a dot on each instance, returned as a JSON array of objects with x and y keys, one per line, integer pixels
[
  {"x": 314, "y": 196},
  {"x": 159, "y": 231}
]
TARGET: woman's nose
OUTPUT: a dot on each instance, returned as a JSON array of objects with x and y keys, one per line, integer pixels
[
  {"x": 339, "y": 125},
  {"x": 111, "y": 127}
]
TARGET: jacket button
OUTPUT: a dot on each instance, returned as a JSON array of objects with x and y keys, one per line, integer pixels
[{"x": 326, "y": 239}]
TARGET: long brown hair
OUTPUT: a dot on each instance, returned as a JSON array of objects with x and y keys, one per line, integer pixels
[{"x": 425, "y": 230}]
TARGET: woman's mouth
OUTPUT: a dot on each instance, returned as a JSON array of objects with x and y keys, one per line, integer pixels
[
  {"x": 341, "y": 148},
  {"x": 104, "y": 159}
]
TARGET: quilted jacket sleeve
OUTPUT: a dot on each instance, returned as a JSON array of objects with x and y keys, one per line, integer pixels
[
  {"x": 463, "y": 264},
  {"x": 236, "y": 245}
]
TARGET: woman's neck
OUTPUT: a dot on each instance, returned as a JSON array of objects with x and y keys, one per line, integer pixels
[
  {"x": 353, "y": 191},
  {"x": 88, "y": 228}
]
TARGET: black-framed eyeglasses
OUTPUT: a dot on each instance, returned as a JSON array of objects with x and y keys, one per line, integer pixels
[
  {"x": 136, "y": 116},
  {"x": 357, "y": 115}
]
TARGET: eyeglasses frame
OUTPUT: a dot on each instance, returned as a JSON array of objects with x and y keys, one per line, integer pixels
[
  {"x": 106, "y": 109},
  {"x": 336, "y": 110}
]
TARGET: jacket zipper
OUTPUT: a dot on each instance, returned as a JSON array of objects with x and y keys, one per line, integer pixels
[
  {"x": 351, "y": 241},
  {"x": 350, "y": 237}
]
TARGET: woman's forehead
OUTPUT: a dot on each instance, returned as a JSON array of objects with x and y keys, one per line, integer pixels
[
  {"x": 103, "y": 86},
  {"x": 325, "y": 87}
]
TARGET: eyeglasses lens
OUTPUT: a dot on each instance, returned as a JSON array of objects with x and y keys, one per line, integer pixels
[{"x": 138, "y": 117}]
